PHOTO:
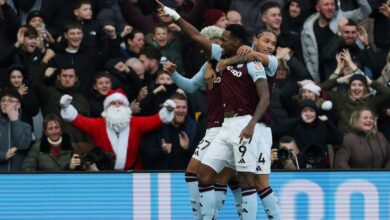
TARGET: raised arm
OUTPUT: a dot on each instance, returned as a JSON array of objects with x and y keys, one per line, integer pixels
[{"x": 188, "y": 28}]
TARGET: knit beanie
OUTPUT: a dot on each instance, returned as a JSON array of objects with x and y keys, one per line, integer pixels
[
  {"x": 32, "y": 15},
  {"x": 360, "y": 77},
  {"x": 308, "y": 103},
  {"x": 211, "y": 16}
]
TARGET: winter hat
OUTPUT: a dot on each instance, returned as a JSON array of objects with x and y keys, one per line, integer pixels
[
  {"x": 10, "y": 92},
  {"x": 211, "y": 16},
  {"x": 313, "y": 88},
  {"x": 115, "y": 95},
  {"x": 360, "y": 77},
  {"x": 16, "y": 67},
  {"x": 308, "y": 103},
  {"x": 32, "y": 15}
]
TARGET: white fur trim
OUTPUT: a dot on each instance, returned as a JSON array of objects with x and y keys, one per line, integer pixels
[
  {"x": 69, "y": 113},
  {"x": 167, "y": 112},
  {"x": 119, "y": 145},
  {"x": 115, "y": 97},
  {"x": 313, "y": 88},
  {"x": 327, "y": 105}
]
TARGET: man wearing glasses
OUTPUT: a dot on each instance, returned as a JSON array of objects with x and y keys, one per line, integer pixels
[{"x": 15, "y": 135}]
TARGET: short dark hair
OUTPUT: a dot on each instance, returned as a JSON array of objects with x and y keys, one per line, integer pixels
[
  {"x": 31, "y": 31},
  {"x": 52, "y": 117},
  {"x": 287, "y": 139},
  {"x": 239, "y": 32},
  {"x": 10, "y": 92},
  {"x": 101, "y": 74},
  {"x": 79, "y": 3},
  {"x": 266, "y": 6},
  {"x": 72, "y": 25},
  {"x": 152, "y": 53},
  {"x": 131, "y": 35}
]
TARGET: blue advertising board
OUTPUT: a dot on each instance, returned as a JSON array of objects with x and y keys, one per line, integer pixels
[{"x": 302, "y": 195}]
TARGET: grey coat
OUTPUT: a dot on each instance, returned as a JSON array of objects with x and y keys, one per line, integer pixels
[
  {"x": 308, "y": 39},
  {"x": 13, "y": 134}
]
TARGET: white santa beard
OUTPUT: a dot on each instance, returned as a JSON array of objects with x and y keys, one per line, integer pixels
[{"x": 117, "y": 117}]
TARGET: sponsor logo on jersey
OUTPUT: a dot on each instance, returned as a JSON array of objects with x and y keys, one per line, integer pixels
[{"x": 235, "y": 73}]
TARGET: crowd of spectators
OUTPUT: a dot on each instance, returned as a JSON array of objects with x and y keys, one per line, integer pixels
[{"x": 330, "y": 102}]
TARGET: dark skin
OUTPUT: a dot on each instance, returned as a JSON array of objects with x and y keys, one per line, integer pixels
[{"x": 230, "y": 44}]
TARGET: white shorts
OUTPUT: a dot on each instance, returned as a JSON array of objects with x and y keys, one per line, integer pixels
[
  {"x": 227, "y": 147},
  {"x": 264, "y": 160},
  {"x": 204, "y": 144}
]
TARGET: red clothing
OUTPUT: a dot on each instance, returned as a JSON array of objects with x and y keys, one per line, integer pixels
[{"x": 96, "y": 128}]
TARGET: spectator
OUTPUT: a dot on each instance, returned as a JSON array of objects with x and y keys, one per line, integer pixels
[
  {"x": 172, "y": 146},
  {"x": 215, "y": 17},
  {"x": 134, "y": 42},
  {"x": 353, "y": 37},
  {"x": 310, "y": 129},
  {"x": 150, "y": 58},
  {"x": 26, "y": 52},
  {"x": 35, "y": 20},
  {"x": 358, "y": 96},
  {"x": 93, "y": 35},
  {"x": 101, "y": 85},
  {"x": 292, "y": 25},
  {"x": 86, "y": 61},
  {"x": 124, "y": 77},
  {"x": 117, "y": 131},
  {"x": 321, "y": 28},
  {"x": 53, "y": 152},
  {"x": 15, "y": 135},
  {"x": 163, "y": 89},
  {"x": 293, "y": 18},
  {"x": 287, "y": 155},
  {"x": 272, "y": 18},
  {"x": 306, "y": 89},
  {"x": 169, "y": 48},
  {"x": 363, "y": 147},
  {"x": 233, "y": 17},
  {"x": 28, "y": 98},
  {"x": 345, "y": 66},
  {"x": 251, "y": 10},
  {"x": 49, "y": 96}
]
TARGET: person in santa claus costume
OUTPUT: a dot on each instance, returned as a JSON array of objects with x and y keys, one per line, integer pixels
[{"x": 117, "y": 131}]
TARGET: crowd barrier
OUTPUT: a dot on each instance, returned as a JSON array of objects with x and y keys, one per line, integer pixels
[{"x": 302, "y": 195}]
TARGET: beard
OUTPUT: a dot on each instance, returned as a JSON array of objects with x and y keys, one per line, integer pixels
[{"x": 117, "y": 118}]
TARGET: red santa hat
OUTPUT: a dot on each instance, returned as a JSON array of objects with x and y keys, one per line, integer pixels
[
  {"x": 211, "y": 16},
  {"x": 115, "y": 95}
]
